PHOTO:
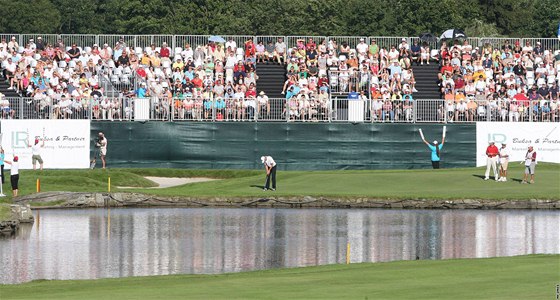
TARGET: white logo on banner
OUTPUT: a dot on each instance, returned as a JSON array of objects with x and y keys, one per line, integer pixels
[
  {"x": 66, "y": 142},
  {"x": 544, "y": 137}
]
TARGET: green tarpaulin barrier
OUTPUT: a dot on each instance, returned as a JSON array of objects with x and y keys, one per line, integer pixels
[{"x": 295, "y": 146}]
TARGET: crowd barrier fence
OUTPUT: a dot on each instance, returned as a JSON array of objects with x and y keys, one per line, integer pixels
[
  {"x": 295, "y": 109},
  {"x": 174, "y": 41}
]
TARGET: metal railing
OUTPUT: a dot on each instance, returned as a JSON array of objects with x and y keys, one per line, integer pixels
[
  {"x": 175, "y": 41},
  {"x": 295, "y": 109},
  {"x": 341, "y": 82}
]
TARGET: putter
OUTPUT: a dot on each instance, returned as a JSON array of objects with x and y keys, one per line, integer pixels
[
  {"x": 2, "y": 189},
  {"x": 265, "y": 181},
  {"x": 93, "y": 161}
]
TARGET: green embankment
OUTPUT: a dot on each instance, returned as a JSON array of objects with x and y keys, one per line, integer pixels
[
  {"x": 5, "y": 212},
  {"x": 523, "y": 277},
  {"x": 465, "y": 183}
]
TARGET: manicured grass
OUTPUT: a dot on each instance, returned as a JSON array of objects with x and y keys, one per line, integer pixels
[
  {"x": 391, "y": 184},
  {"x": 382, "y": 184},
  {"x": 523, "y": 277}
]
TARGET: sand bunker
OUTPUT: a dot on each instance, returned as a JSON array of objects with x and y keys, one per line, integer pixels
[{"x": 165, "y": 182}]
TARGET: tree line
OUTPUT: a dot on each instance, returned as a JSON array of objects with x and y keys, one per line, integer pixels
[{"x": 513, "y": 18}]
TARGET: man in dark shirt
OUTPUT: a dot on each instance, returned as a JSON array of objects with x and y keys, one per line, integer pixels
[
  {"x": 311, "y": 55},
  {"x": 487, "y": 62},
  {"x": 249, "y": 66},
  {"x": 40, "y": 46},
  {"x": 415, "y": 52},
  {"x": 538, "y": 49},
  {"x": 543, "y": 91},
  {"x": 313, "y": 70},
  {"x": 553, "y": 91},
  {"x": 74, "y": 52},
  {"x": 123, "y": 60},
  {"x": 519, "y": 69}
]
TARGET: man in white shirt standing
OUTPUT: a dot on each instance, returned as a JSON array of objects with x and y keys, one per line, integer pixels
[
  {"x": 270, "y": 167},
  {"x": 14, "y": 174},
  {"x": 102, "y": 144},
  {"x": 362, "y": 48},
  {"x": 36, "y": 154},
  {"x": 504, "y": 160}
]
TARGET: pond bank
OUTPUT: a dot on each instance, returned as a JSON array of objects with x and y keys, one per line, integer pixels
[
  {"x": 11, "y": 215},
  {"x": 89, "y": 200}
]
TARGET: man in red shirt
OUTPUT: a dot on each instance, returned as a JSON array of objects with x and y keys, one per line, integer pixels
[
  {"x": 197, "y": 82},
  {"x": 447, "y": 69},
  {"x": 492, "y": 153},
  {"x": 165, "y": 51}
]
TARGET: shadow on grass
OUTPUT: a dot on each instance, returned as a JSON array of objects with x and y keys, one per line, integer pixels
[
  {"x": 257, "y": 186},
  {"x": 512, "y": 179}
]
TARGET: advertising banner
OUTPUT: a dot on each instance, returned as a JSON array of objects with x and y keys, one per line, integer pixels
[
  {"x": 544, "y": 137},
  {"x": 66, "y": 142}
]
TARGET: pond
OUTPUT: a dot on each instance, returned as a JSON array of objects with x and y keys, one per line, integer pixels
[{"x": 99, "y": 243}]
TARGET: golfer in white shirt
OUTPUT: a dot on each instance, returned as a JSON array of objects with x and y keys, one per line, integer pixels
[
  {"x": 270, "y": 167},
  {"x": 504, "y": 160}
]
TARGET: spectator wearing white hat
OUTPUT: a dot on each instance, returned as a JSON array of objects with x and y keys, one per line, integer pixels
[
  {"x": 362, "y": 47},
  {"x": 263, "y": 104},
  {"x": 13, "y": 44},
  {"x": 40, "y": 44}
]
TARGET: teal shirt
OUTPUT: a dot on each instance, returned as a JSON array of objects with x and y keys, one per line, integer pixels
[
  {"x": 2, "y": 159},
  {"x": 435, "y": 157}
]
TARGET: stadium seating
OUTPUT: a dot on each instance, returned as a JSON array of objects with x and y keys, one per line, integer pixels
[
  {"x": 477, "y": 82},
  {"x": 504, "y": 81},
  {"x": 118, "y": 75}
]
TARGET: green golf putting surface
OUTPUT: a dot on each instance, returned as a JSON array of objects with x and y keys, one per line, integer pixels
[
  {"x": 522, "y": 277},
  {"x": 394, "y": 184},
  {"x": 465, "y": 183}
]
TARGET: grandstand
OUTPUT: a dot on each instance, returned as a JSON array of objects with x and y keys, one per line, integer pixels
[{"x": 278, "y": 78}]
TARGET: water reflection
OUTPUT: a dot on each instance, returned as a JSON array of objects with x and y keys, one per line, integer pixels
[{"x": 85, "y": 244}]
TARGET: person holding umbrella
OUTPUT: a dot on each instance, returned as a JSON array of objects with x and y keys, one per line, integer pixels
[{"x": 270, "y": 167}]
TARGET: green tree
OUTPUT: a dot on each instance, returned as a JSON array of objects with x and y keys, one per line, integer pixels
[
  {"x": 479, "y": 28},
  {"x": 78, "y": 16},
  {"x": 37, "y": 16},
  {"x": 512, "y": 17},
  {"x": 545, "y": 21}
]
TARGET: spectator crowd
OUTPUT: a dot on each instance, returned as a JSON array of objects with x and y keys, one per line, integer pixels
[
  {"x": 70, "y": 81},
  {"x": 511, "y": 82},
  {"x": 316, "y": 68}
]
